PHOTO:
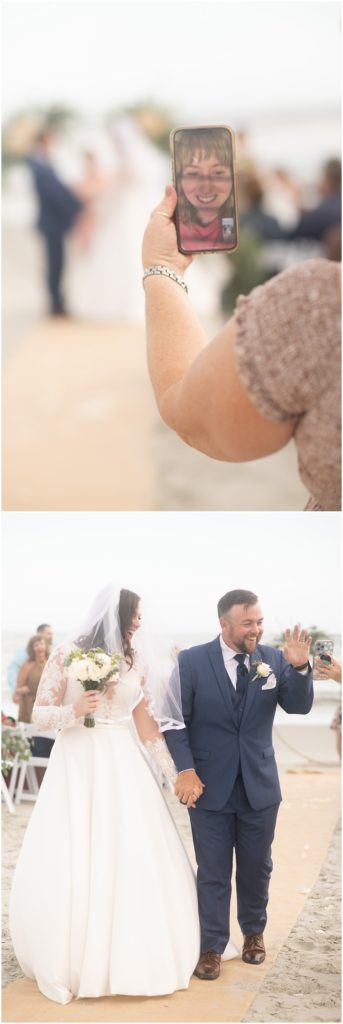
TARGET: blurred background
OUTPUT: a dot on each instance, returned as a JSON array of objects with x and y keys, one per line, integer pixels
[{"x": 91, "y": 92}]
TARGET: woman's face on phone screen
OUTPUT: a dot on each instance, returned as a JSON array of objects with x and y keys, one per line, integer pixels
[{"x": 207, "y": 185}]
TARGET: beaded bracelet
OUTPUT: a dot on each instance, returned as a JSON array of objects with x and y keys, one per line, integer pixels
[{"x": 159, "y": 268}]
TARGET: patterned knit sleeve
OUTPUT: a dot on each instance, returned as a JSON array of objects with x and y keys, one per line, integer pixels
[{"x": 286, "y": 333}]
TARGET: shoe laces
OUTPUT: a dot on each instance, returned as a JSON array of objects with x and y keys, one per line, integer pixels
[
  {"x": 254, "y": 941},
  {"x": 211, "y": 956}
]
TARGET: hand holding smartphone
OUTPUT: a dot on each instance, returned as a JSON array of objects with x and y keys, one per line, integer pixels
[
  {"x": 323, "y": 650},
  {"x": 204, "y": 177}
]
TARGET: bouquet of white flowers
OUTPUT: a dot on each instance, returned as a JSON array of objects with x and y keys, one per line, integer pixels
[{"x": 93, "y": 669}]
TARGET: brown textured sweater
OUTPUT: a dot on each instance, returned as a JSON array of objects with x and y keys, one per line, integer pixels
[{"x": 288, "y": 357}]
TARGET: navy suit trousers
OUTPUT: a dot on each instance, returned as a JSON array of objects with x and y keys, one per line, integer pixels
[
  {"x": 215, "y": 836},
  {"x": 54, "y": 258}
]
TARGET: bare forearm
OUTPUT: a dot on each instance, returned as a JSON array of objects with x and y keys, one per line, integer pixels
[
  {"x": 184, "y": 376},
  {"x": 174, "y": 338},
  {"x": 197, "y": 386}
]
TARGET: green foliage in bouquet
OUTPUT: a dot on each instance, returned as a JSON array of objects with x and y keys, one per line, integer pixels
[{"x": 11, "y": 745}]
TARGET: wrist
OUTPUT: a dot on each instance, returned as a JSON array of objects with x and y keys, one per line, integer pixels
[
  {"x": 165, "y": 270},
  {"x": 172, "y": 264},
  {"x": 299, "y": 668}
]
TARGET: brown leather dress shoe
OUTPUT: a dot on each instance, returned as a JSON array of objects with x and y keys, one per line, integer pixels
[
  {"x": 208, "y": 966},
  {"x": 254, "y": 949}
]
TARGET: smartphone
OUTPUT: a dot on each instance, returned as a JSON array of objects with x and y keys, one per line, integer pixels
[
  {"x": 203, "y": 165},
  {"x": 323, "y": 649}
]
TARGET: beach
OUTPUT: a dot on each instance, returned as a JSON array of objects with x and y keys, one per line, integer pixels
[{"x": 300, "y": 978}]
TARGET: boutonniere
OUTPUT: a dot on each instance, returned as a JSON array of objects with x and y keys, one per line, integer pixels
[{"x": 262, "y": 670}]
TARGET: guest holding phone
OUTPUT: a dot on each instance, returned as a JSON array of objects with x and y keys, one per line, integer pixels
[
  {"x": 330, "y": 668},
  {"x": 271, "y": 374}
]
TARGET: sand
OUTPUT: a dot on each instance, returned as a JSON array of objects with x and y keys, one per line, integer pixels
[
  {"x": 299, "y": 980},
  {"x": 310, "y": 960}
]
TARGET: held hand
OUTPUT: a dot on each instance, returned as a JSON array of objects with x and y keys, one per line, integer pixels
[
  {"x": 297, "y": 646},
  {"x": 159, "y": 240},
  {"x": 87, "y": 704},
  {"x": 22, "y": 690},
  {"x": 195, "y": 796},
  {"x": 188, "y": 787},
  {"x": 326, "y": 670}
]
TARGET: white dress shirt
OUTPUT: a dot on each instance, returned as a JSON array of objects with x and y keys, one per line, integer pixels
[{"x": 231, "y": 665}]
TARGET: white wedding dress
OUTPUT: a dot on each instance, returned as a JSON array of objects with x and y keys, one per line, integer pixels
[
  {"x": 104, "y": 281},
  {"x": 104, "y": 897}
]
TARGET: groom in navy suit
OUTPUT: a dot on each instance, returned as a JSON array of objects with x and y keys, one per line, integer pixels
[{"x": 230, "y": 689}]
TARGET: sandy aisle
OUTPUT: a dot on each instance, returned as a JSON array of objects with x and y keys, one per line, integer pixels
[{"x": 285, "y": 987}]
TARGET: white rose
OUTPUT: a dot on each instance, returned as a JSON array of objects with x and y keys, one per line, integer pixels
[
  {"x": 73, "y": 669},
  {"x": 94, "y": 671},
  {"x": 82, "y": 672},
  {"x": 105, "y": 666},
  {"x": 262, "y": 669}
]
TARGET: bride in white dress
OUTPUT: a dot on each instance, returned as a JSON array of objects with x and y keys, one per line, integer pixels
[
  {"x": 104, "y": 278},
  {"x": 104, "y": 897}
]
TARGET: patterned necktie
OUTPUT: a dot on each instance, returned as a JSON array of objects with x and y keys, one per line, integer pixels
[{"x": 242, "y": 674}]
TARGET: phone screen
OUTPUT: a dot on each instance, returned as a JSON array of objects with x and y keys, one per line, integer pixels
[{"x": 206, "y": 216}]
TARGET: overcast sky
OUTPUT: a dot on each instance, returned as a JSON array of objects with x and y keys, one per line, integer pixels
[
  {"x": 180, "y": 562},
  {"x": 199, "y": 57}
]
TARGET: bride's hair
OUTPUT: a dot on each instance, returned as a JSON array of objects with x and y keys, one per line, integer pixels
[
  {"x": 128, "y": 604},
  {"x": 108, "y": 623},
  {"x": 96, "y": 638}
]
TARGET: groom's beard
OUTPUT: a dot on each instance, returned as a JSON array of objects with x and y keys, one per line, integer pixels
[{"x": 246, "y": 647}]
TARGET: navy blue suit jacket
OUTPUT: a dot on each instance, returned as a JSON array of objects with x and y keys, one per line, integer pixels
[
  {"x": 214, "y": 744},
  {"x": 316, "y": 222},
  {"x": 58, "y": 206}
]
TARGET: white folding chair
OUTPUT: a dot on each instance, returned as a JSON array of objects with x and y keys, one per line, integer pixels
[
  {"x": 27, "y": 772},
  {"x": 26, "y": 769},
  {"x": 14, "y": 776},
  {"x": 5, "y": 793}
]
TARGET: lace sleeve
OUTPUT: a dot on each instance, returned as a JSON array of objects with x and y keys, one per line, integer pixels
[
  {"x": 141, "y": 667},
  {"x": 154, "y": 743},
  {"x": 158, "y": 750},
  {"x": 48, "y": 712}
]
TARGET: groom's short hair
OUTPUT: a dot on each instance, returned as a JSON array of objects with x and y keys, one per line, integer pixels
[{"x": 232, "y": 597}]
